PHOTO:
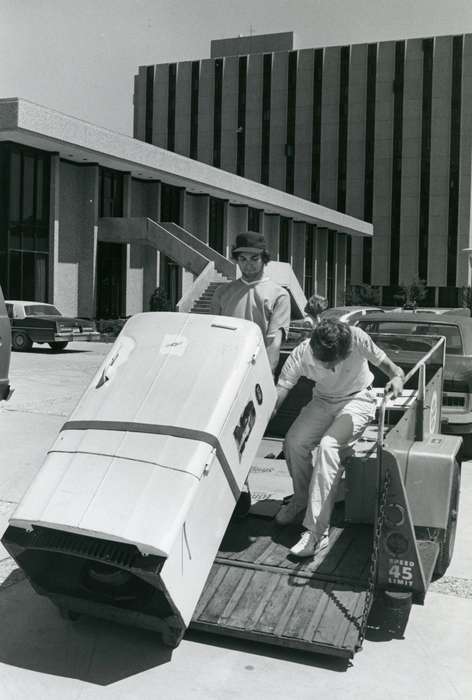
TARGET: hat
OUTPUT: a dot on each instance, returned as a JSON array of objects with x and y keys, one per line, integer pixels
[{"x": 249, "y": 242}]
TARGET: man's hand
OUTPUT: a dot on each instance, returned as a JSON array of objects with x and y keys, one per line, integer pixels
[{"x": 395, "y": 385}]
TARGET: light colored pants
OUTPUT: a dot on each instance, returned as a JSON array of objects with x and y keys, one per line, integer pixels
[{"x": 312, "y": 450}]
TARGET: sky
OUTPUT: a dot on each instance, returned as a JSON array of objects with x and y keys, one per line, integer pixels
[{"x": 80, "y": 56}]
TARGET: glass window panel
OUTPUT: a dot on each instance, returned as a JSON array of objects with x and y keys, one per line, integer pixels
[
  {"x": 40, "y": 278},
  {"x": 27, "y": 213},
  {"x": 28, "y": 238},
  {"x": 14, "y": 290},
  {"x": 28, "y": 270},
  {"x": 15, "y": 237},
  {"x": 39, "y": 189},
  {"x": 15, "y": 186},
  {"x": 42, "y": 238}
]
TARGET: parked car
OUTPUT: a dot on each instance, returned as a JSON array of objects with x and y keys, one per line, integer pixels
[
  {"x": 37, "y": 322},
  {"x": 350, "y": 314},
  {"x": 457, "y": 395},
  {"x": 457, "y": 311},
  {"x": 5, "y": 350}
]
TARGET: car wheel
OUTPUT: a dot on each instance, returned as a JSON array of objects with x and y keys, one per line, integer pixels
[
  {"x": 446, "y": 546},
  {"x": 58, "y": 345},
  {"x": 21, "y": 342}
]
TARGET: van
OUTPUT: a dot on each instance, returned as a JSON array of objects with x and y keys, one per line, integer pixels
[{"x": 5, "y": 350}]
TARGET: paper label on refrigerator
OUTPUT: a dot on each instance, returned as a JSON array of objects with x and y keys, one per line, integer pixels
[{"x": 173, "y": 345}]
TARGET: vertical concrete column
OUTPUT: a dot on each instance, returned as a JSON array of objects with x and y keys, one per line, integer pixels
[
  {"x": 183, "y": 103},
  {"x": 252, "y": 157},
  {"x": 356, "y": 145},
  {"x": 271, "y": 231},
  {"x": 330, "y": 127},
  {"x": 229, "y": 113},
  {"x": 340, "y": 284},
  {"x": 320, "y": 284},
  {"x": 161, "y": 101},
  {"x": 383, "y": 157},
  {"x": 87, "y": 283},
  {"x": 54, "y": 209},
  {"x": 411, "y": 160},
  {"x": 298, "y": 250},
  {"x": 236, "y": 223},
  {"x": 206, "y": 97},
  {"x": 278, "y": 120},
  {"x": 465, "y": 182},
  {"x": 304, "y": 124},
  {"x": 151, "y": 256},
  {"x": 134, "y": 260}
]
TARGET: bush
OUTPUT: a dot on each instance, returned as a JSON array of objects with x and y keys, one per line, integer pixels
[{"x": 159, "y": 301}]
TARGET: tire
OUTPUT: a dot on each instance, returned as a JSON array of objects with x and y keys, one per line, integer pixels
[
  {"x": 58, "y": 345},
  {"x": 21, "y": 342},
  {"x": 446, "y": 545}
]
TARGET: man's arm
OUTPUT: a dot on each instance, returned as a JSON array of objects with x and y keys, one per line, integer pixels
[
  {"x": 282, "y": 393},
  {"x": 273, "y": 349},
  {"x": 395, "y": 374}
]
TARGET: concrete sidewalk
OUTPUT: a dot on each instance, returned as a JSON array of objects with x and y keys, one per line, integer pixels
[{"x": 46, "y": 657}]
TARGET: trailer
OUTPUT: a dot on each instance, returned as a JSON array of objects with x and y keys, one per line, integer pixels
[{"x": 390, "y": 538}]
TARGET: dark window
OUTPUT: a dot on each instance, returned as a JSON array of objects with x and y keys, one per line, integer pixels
[
  {"x": 111, "y": 193},
  {"x": 291, "y": 116},
  {"x": 309, "y": 259},
  {"x": 170, "y": 203},
  {"x": 216, "y": 224},
  {"x": 398, "y": 84},
  {"x": 241, "y": 132},
  {"x": 454, "y": 159},
  {"x": 171, "y": 106},
  {"x": 194, "y": 109},
  {"x": 284, "y": 240},
  {"x": 24, "y": 222},
  {"x": 254, "y": 219},
  {"x": 265, "y": 127},
  {"x": 369, "y": 158},
  {"x": 149, "y": 103},
  {"x": 218, "y": 98},
  {"x": 448, "y": 297},
  {"x": 426, "y": 111},
  {"x": 316, "y": 127},
  {"x": 111, "y": 261}
]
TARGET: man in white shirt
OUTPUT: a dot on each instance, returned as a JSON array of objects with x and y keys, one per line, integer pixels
[
  {"x": 254, "y": 296},
  {"x": 337, "y": 358}
]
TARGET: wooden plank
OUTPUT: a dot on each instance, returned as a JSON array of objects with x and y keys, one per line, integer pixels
[
  {"x": 214, "y": 580},
  {"x": 287, "y": 612},
  {"x": 307, "y": 604},
  {"x": 252, "y": 602},
  {"x": 217, "y": 603},
  {"x": 339, "y": 609},
  {"x": 236, "y": 596}
]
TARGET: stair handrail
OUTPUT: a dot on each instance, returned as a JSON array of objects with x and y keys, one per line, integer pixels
[{"x": 200, "y": 284}]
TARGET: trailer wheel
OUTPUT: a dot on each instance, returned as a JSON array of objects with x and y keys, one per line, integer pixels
[{"x": 446, "y": 545}]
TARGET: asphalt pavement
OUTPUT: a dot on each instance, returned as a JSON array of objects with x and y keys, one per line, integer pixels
[{"x": 43, "y": 656}]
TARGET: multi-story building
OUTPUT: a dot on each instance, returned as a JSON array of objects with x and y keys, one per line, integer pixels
[{"x": 381, "y": 131}]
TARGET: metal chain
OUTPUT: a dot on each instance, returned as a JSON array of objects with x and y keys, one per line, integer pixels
[{"x": 374, "y": 560}]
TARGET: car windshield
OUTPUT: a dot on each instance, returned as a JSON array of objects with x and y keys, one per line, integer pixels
[
  {"x": 41, "y": 310},
  {"x": 451, "y": 333}
]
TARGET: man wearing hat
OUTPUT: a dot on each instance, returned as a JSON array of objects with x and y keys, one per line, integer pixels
[{"x": 254, "y": 296}]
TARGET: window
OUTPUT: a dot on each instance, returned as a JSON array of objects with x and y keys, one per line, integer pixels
[
  {"x": 253, "y": 219},
  {"x": 111, "y": 193},
  {"x": 216, "y": 224},
  {"x": 24, "y": 221},
  {"x": 284, "y": 240}
]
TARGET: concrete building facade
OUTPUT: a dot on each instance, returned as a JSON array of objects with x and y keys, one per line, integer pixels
[
  {"x": 380, "y": 131},
  {"x": 94, "y": 221}
]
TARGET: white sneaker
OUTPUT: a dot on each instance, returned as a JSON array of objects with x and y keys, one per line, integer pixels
[
  {"x": 291, "y": 512},
  {"x": 308, "y": 545}
]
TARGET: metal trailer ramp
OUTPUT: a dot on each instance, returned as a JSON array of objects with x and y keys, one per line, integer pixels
[{"x": 256, "y": 590}]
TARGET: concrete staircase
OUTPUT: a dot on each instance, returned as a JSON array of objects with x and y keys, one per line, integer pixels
[{"x": 203, "y": 303}]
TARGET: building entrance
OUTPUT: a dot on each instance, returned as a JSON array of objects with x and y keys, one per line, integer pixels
[{"x": 111, "y": 261}]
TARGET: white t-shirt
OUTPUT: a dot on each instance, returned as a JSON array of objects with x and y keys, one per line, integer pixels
[{"x": 348, "y": 377}]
